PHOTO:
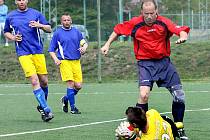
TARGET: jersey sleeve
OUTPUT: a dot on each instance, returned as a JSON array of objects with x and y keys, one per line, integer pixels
[
  {"x": 7, "y": 27},
  {"x": 53, "y": 43},
  {"x": 125, "y": 28},
  {"x": 43, "y": 20},
  {"x": 175, "y": 29}
]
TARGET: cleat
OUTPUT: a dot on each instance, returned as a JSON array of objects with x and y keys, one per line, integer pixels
[
  {"x": 45, "y": 116},
  {"x": 182, "y": 135},
  {"x": 41, "y": 111},
  {"x": 180, "y": 131},
  {"x": 64, "y": 104},
  {"x": 75, "y": 111}
]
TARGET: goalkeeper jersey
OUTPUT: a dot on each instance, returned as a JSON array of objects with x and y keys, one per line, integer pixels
[
  {"x": 17, "y": 22},
  {"x": 159, "y": 129}
]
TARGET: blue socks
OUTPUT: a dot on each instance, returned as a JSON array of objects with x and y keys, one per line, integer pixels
[
  {"x": 45, "y": 89},
  {"x": 71, "y": 98},
  {"x": 40, "y": 96}
]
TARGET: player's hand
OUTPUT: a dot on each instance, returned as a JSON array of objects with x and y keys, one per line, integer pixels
[
  {"x": 124, "y": 131},
  {"x": 57, "y": 62},
  {"x": 181, "y": 40},
  {"x": 18, "y": 37},
  {"x": 35, "y": 24},
  {"x": 82, "y": 49},
  {"x": 105, "y": 49}
]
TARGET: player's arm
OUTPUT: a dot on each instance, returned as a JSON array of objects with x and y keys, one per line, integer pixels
[
  {"x": 124, "y": 28},
  {"x": 53, "y": 48},
  {"x": 105, "y": 48},
  {"x": 55, "y": 58},
  {"x": 12, "y": 37},
  {"x": 8, "y": 32},
  {"x": 182, "y": 37},
  {"x": 46, "y": 28},
  {"x": 181, "y": 31}
]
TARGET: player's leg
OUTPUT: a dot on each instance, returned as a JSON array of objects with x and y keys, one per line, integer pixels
[
  {"x": 178, "y": 109},
  {"x": 41, "y": 69},
  {"x": 178, "y": 104},
  {"x": 144, "y": 92},
  {"x": 44, "y": 84},
  {"x": 71, "y": 97},
  {"x": 30, "y": 72},
  {"x": 38, "y": 82},
  {"x": 77, "y": 74},
  {"x": 145, "y": 84},
  {"x": 67, "y": 75}
]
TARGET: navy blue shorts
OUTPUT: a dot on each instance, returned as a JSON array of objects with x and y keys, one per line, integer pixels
[{"x": 161, "y": 71}]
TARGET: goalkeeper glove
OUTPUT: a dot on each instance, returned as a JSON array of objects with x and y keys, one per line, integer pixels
[{"x": 125, "y": 132}]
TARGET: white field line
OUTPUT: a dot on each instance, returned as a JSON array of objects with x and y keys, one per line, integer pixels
[
  {"x": 82, "y": 125},
  {"x": 98, "y": 93}
]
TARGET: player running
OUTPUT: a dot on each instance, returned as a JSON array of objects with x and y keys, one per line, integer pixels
[{"x": 23, "y": 26}]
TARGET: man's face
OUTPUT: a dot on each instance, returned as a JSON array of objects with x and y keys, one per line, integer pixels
[
  {"x": 1, "y": 2},
  {"x": 149, "y": 13},
  {"x": 21, "y": 4},
  {"x": 66, "y": 21}
]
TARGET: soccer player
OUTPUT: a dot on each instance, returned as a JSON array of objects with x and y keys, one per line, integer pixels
[
  {"x": 151, "y": 36},
  {"x": 146, "y": 126},
  {"x": 3, "y": 14},
  {"x": 69, "y": 44},
  {"x": 23, "y": 26}
]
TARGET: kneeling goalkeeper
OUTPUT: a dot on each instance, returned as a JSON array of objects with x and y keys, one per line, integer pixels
[{"x": 146, "y": 126}]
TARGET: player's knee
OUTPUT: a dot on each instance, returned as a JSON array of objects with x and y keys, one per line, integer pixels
[
  {"x": 35, "y": 82},
  {"x": 77, "y": 86},
  {"x": 43, "y": 80},
  {"x": 177, "y": 93},
  {"x": 44, "y": 83},
  {"x": 144, "y": 97}
]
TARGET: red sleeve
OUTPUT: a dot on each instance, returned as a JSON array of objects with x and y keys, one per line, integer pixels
[
  {"x": 126, "y": 27},
  {"x": 175, "y": 29}
]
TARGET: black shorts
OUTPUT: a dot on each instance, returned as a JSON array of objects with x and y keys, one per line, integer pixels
[{"x": 161, "y": 71}]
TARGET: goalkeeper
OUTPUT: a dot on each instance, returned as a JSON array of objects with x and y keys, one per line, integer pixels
[{"x": 146, "y": 126}]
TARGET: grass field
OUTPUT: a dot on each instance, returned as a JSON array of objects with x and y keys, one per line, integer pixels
[{"x": 102, "y": 107}]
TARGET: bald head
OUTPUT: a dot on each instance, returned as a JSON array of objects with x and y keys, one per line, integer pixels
[
  {"x": 149, "y": 11},
  {"x": 148, "y": 2}
]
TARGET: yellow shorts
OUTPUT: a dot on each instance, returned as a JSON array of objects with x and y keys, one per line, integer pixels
[
  {"x": 33, "y": 64},
  {"x": 71, "y": 70}
]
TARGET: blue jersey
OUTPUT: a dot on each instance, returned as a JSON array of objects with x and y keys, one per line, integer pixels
[
  {"x": 66, "y": 42},
  {"x": 17, "y": 22},
  {"x": 3, "y": 13}
]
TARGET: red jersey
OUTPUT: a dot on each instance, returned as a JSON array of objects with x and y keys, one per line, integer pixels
[{"x": 150, "y": 42}]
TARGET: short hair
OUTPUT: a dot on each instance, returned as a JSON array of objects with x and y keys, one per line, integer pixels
[
  {"x": 65, "y": 14},
  {"x": 136, "y": 115},
  {"x": 153, "y": 1}
]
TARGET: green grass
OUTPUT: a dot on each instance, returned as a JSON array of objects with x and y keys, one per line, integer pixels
[{"x": 98, "y": 103}]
